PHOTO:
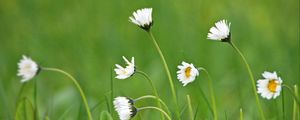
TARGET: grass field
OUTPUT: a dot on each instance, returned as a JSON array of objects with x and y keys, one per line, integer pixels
[{"x": 86, "y": 38}]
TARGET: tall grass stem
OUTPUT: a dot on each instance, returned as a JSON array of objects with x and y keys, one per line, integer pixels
[
  {"x": 241, "y": 114},
  {"x": 296, "y": 107},
  {"x": 190, "y": 107},
  {"x": 112, "y": 92},
  {"x": 36, "y": 114}
]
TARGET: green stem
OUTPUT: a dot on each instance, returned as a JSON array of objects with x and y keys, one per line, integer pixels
[
  {"x": 168, "y": 74},
  {"x": 154, "y": 97},
  {"x": 283, "y": 112},
  {"x": 241, "y": 114},
  {"x": 112, "y": 92},
  {"x": 35, "y": 100},
  {"x": 190, "y": 107},
  {"x": 155, "y": 108},
  {"x": 30, "y": 105},
  {"x": 292, "y": 92},
  {"x": 296, "y": 107},
  {"x": 212, "y": 93},
  {"x": 78, "y": 87},
  {"x": 24, "y": 105},
  {"x": 153, "y": 88},
  {"x": 205, "y": 99},
  {"x": 251, "y": 78},
  {"x": 18, "y": 101},
  {"x": 226, "y": 117},
  {"x": 195, "y": 115}
]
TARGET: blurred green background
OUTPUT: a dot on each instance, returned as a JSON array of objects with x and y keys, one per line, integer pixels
[{"x": 86, "y": 38}]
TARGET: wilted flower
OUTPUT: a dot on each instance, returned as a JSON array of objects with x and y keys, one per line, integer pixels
[
  {"x": 220, "y": 32},
  {"x": 123, "y": 73},
  {"x": 124, "y": 107},
  {"x": 142, "y": 18},
  {"x": 270, "y": 86},
  {"x": 187, "y": 73},
  {"x": 27, "y": 68}
]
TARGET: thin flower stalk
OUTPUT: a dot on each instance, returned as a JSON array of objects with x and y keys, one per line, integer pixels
[
  {"x": 77, "y": 86},
  {"x": 152, "y": 86},
  {"x": 155, "y": 108},
  {"x": 296, "y": 99},
  {"x": 168, "y": 73},
  {"x": 212, "y": 93},
  {"x": 251, "y": 78},
  {"x": 154, "y": 97}
]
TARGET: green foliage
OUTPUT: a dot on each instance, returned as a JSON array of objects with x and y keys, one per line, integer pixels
[{"x": 87, "y": 37}]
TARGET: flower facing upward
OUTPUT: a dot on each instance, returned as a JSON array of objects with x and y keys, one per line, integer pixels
[
  {"x": 220, "y": 32},
  {"x": 186, "y": 73},
  {"x": 142, "y": 18},
  {"x": 124, "y": 107},
  {"x": 270, "y": 86},
  {"x": 123, "y": 73},
  {"x": 27, "y": 68}
]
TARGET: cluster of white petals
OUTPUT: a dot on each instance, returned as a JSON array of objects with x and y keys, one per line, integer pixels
[
  {"x": 220, "y": 32},
  {"x": 270, "y": 86},
  {"x": 124, "y": 107},
  {"x": 123, "y": 73},
  {"x": 142, "y": 18},
  {"x": 27, "y": 68},
  {"x": 187, "y": 73}
]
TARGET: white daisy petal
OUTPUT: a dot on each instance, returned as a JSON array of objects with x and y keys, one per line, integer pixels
[
  {"x": 129, "y": 70},
  {"x": 269, "y": 87},
  {"x": 220, "y": 32},
  {"x": 27, "y": 68},
  {"x": 187, "y": 73},
  {"x": 124, "y": 107},
  {"x": 142, "y": 18},
  {"x": 269, "y": 75}
]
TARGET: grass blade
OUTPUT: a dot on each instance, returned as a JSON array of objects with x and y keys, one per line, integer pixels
[
  {"x": 296, "y": 106},
  {"x": 190, "y": 107}
]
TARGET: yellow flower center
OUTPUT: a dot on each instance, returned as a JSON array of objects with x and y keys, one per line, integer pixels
[
  {"x": 27, "y": 67},
  {"x": 124, "y": 72},
  {"x": 188, "y": 71},
  {"x": 272, "y": 85}
]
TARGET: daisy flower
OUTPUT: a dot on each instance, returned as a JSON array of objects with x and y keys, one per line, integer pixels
[
  {"x": 142, "y": 18},
  {"x": 220, "y": 32},
  {"x": 270, "y": 86},
  {"x": 186, "y": 73},
  {"x": 129, "y": 70},
  {"x": 124, "y": 107},
  {"x": 27, "y": 69}
]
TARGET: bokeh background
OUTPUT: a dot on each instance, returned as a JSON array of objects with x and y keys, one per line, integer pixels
[{"x": 87, "y": 37}]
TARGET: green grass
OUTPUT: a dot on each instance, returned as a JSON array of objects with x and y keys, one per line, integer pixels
[{"x": 86, "y": 38}]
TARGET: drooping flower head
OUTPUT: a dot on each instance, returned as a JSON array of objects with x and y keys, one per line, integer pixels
[
  {"x": 129, "y": 70},
  {"x": 270, "y": 86},
  {"x": 27, "y": 68},
  {"x": 124, "y": 107},
  {"x": 142, "y": 18},
  {"x": 187, "y": 73},
  {"x": 220, "y": 32}
]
